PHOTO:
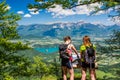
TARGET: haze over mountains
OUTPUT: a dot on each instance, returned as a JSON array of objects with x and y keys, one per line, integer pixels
[{"x": 58, "y": 30}]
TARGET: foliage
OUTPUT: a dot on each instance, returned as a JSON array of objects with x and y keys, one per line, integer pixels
[
  {"x": 39, "y": 67},
  {"x": 102, "y": 49},
  {"x": 69, "y": 4},
  {"x": 112, "y": 44},
  {"x": 8, "y": 22},
  {"x": 10, "y": 64},
  {"x": 55, "y": 68},
  {"x": 9, "y": 47},
  {"x": 72, "y": 3},
  {"x": 114, "y": 41}
]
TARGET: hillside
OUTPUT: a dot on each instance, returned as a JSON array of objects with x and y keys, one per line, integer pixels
[{"x": 58, "y": 30}]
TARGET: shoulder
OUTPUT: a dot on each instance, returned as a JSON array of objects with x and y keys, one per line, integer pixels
[
  {"x": 82, "y": 47},
  {"x": 70, "y": 45}
]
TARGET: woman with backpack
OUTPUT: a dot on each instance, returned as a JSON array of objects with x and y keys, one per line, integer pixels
[
  {"x": 88, "y": 54},
  {"x": 66, "y": 62}
]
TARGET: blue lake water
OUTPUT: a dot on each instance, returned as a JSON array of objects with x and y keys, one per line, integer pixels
[{"x": 47, "y": 50}]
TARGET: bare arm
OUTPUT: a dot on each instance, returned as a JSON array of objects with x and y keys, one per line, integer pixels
[{"x": 74, "y": 49}]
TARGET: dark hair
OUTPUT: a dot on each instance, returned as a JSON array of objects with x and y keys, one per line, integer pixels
[{"x": 67, "y": 38}]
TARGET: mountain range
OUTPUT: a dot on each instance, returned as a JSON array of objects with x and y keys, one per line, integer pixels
[{"x": 59, "y": 30}]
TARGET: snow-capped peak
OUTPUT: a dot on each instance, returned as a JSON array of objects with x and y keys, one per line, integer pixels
[{"x": 54, "y": 26}]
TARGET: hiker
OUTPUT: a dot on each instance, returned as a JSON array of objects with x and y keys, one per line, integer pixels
[
  {"x": 88, "y": 55},
  {"x": 65, "y": 51}
]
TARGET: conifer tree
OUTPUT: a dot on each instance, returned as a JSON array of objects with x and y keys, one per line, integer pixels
[
  {"x": 9, "y": 62},
  {"x": 8, "y": 22}
]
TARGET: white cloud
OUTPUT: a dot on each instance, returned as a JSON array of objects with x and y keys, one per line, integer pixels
[
  {"x": 82, "y": 10},
  {"x": 34, "y": 13},
  {"x": 33, "y": 9},
  {"x": 20, "y": 12},
  {"x": 117, "y": 7},
  {"x": 100, "y": 12},
  {"x": 58, "y": 11},
  {"x": 104, "y": 11},
  {"x": 27, "y": 15}
]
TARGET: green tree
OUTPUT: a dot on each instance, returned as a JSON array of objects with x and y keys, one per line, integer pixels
[
  {"x": 8, "y": 22},
  {"x": 10, "y": 64},
  {"x": 39, "y": 67},
  {"x": 114, "y": 41}
]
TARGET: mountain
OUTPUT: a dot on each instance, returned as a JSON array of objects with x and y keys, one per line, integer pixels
[{"x": 59, "y": 30}]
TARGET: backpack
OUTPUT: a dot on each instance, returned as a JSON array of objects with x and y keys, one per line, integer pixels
[
  {"x": 63, "y": 51},
  {"x": 90, "y": 51},
  {"x": 89, "y": 55}
]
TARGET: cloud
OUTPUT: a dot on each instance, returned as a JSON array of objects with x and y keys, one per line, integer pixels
[
  {"x": 34, "y": 13},
  {"x": 20, "y": 12},
  {"x": 117, "y": 7},
  {"x": 27, "y": 15},
  {"x": 58, "y": 11},
  {"x": 86, "y": 9},
  {"x": 33, "y": 9}
]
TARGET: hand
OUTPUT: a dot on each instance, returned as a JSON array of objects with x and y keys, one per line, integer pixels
[{"x": 78, "y": 56}]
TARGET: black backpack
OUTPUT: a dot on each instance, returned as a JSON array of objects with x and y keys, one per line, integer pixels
[
  {"x": 89, "y": 55},
  {"x": 90, "y": 51},
  {"x": 62, "y": 51}
]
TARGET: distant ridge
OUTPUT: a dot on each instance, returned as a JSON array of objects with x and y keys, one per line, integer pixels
[{"x": 58, "y": 30}]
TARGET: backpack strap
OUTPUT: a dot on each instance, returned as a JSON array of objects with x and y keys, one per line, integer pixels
[{"x": 89, "y": 46}]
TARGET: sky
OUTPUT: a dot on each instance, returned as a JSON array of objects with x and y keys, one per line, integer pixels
[{"x": 80, "y": 13}]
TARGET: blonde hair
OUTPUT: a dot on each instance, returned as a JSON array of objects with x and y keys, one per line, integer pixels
[{"x": 87, "y": 41}]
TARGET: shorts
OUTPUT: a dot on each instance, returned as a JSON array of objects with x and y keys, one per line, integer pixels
[
  {"x": 66, "y": 63},
  {"x": 88, "y": 65}
]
